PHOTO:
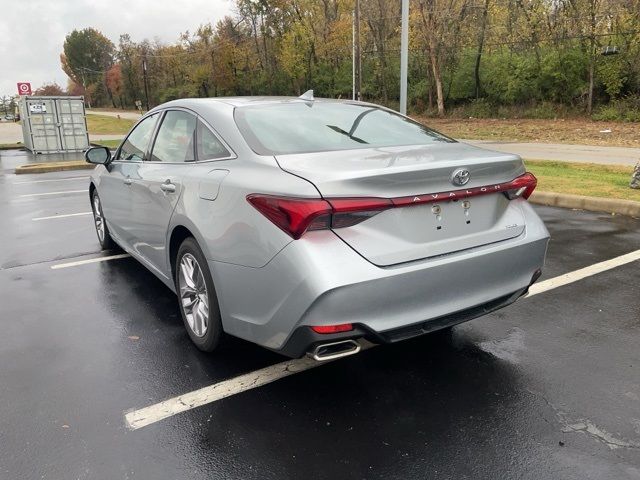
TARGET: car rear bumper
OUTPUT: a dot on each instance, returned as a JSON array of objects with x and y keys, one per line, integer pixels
[
  {"x": 319, "y": 280},
  {"x": 304, "y": 339}
]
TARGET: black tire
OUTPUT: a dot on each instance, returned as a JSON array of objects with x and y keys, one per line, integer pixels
[
  {"x": 104, "y": 237},
  {"x": 206, "y": 339}
]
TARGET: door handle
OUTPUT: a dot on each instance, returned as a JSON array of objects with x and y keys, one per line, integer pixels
[
  {"x": 168, "y": 187},
  {"x": 127, "y": 181}
]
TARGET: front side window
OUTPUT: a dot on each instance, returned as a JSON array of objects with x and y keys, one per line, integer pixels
[
  {"x": 209, "y": 147},
  {"x": 136, "y": 144},
  {"x": 301, "y": 127},
  {"x": 175, "y": 140}
]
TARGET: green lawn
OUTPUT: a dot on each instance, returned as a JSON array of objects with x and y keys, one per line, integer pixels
[
  {"x": 112, "y": 144},
  {"x": 592, "y": 180},
  {"x": 104, "y": 125},
  {"x": 8, "y": 146}
]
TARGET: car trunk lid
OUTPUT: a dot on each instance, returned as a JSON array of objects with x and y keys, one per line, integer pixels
[{"x": 448, "y": 223}]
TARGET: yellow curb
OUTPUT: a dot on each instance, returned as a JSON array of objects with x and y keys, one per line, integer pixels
[
  {"x": 592, "y": 204},
  {"x": 53, "y": 167}
]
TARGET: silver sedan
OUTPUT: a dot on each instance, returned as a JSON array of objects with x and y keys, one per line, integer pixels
[{"x": 306, "y": 225}]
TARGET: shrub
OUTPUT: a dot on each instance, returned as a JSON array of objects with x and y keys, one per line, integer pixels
[
  {"x": 626, "y": 109},
  {"x": 480, "y": 108}
]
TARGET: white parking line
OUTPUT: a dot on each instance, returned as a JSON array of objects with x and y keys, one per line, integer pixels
[
  {"x": 90, "y": 260},
  {"x": 136, "y": 419},
  {"x": 51, "y": 217},
  {"x": 576, "y": 275},
  {"x": 53, "y": 193},
  {"x": 51, "y": 180},
  {"x": 146, "y": 416}
]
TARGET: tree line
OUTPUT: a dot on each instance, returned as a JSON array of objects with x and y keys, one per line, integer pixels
[{"x": 482, "y": 54}]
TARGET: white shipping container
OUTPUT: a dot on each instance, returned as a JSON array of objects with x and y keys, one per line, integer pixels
[{"x": 54, "y": 124}]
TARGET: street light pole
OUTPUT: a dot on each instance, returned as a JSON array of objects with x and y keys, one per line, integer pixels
[
  {"x": 146, "y": 88},
  {"x": 357, "y": 60},
  {"x": 404, "y": 56},
  {"x": 353, "y": 57}
]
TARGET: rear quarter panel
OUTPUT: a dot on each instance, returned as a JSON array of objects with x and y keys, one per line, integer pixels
[{"x": 214, "y": 208}]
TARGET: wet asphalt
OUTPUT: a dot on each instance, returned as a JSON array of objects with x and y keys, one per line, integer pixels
[{"x": 548, "y": 388}]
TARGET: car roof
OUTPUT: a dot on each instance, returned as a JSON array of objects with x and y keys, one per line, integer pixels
[{"x": 250, "y": 100}]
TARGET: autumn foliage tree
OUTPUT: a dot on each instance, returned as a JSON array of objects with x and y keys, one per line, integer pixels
[
  {"x": 113, "y": 82},
  {"x": 50, "y": 90},
  {"x": 87, "y": 55},
  {"x": 483, "y": 55}
]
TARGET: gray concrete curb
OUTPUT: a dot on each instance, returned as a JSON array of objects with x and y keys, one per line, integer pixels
[
  {"x": 592, "y": 204},
  {"x": 53, "y": 167}
]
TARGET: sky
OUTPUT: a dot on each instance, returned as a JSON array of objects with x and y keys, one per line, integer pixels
[{"x": 33, "y": 31}]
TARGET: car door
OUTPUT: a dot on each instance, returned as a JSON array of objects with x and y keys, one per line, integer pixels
[
  {"x": 159, "y": 185},
  {"x": 115, "y": 187}
]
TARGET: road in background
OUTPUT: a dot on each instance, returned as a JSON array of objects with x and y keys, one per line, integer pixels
[
  {"x": 563, "y": 152},
  {"x": 10, "y": 132}
]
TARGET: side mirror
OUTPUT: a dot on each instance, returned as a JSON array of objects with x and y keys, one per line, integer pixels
[{"x": 98, "y": 155}]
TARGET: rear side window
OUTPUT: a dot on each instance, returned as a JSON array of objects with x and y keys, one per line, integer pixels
[
  {"x": 301, "y": 127},
  {"x": 208, "y": 145},
  {"x": 175, "y": 140},
  {"x": 136, "y": 144}
]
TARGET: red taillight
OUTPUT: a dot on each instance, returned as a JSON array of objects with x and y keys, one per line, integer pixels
[
  {"x": 343, "y": 327},
  {"x": 297, "y": 215},
  {"x": 294, "y": 215},
  {"x": 522, "y": 186}
]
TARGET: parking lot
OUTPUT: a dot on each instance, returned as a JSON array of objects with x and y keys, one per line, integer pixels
[{"x": 548, "y": 388}]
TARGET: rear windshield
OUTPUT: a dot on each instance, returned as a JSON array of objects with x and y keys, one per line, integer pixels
[{"x": 302, "y": 127}]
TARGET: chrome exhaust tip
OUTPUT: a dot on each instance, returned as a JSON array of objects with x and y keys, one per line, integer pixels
[{"x": 334, "y": 350}]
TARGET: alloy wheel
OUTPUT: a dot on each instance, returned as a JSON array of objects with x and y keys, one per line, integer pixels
[
  {"x": 193, "y": 294},
  {"x": 98, "y": 218}
]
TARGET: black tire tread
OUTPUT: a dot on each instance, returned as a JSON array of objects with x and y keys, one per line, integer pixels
[{"x": 107, "y": 243}]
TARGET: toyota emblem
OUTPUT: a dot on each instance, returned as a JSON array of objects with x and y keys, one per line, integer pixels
[{"x": 460, "y": 177}]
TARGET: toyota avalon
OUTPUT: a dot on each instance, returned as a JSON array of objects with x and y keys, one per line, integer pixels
[{"x": 309, "y": 225}]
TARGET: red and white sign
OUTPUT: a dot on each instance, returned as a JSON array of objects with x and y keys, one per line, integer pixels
[{"x": 24, "y": 88}]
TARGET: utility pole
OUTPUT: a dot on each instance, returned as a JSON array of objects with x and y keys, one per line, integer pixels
[
  {"x": 404, "y": 56},
  {"x": 213, "y": 72},
  {"x": 353, "y": 57},
  {"x": 358, "y": 60},
  {"x": 146, "y": 87}
]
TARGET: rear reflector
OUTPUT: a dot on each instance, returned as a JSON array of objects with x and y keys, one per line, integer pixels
[
  {"x": 343, "y": 327},
  {"x": 295, "y": 216}
]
